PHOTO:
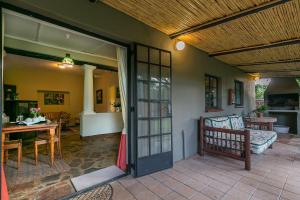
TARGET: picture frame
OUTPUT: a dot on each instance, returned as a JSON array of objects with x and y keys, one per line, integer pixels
[
  {"x": 54, "y": 98},
  {"x": 99, "y": 96}
]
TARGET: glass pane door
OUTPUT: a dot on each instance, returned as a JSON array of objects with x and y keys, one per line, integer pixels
[{"x": 154, "y": 110}]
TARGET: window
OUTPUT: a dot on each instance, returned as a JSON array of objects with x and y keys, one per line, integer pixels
[
  {"x": 239, "y": 93},
  {"x": 211, "y": 92}
]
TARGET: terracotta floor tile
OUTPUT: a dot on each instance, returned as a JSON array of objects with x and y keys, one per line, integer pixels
[
  {"x": 185, "y": 191},
  {"x": 161, "y": 190},
  {"x": 212, "y": 193},
  {"x": 127, "y": 181},
  {"x": 194, "y": 184},
  {"x": 146, "y": 195},
  {"x": 244, "y": 188},
  {"x": 235, "y": 193},
  {"x": 269, "y": 188},
  {"x": 231, "y": 197},
  {"x": 174, "y": 196},
  {"x": 137, "y": 188},
  {"x": 289, "y": 195},
  {"x": 120, "y": 193},
  {"x": 223, "y": 187},
  {"x": 275, "y": 183},
  {"x": 200, "y": 196},
  {"x": 148, "y": 181},
  {"x": 263, "y": 195},
  {"x": 292, "y": 188},
  {"x": 249, "y": 181}
]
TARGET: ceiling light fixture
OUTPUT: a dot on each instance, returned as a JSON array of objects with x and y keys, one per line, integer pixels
[
  {"x": 255, "y": 76},
  {"x": 61, "y": 66},
  {"x": 67, "y": 61},
  {"x": 179, "y": 45}
]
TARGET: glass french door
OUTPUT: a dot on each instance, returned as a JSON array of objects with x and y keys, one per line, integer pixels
[{"x": 153, "y": 128}]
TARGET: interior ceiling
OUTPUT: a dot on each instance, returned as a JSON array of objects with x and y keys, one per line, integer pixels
[
  {"x": 16, "y": 61},
  {"x": 27, "y": 29},
  {"x": 238, "y": 32}
]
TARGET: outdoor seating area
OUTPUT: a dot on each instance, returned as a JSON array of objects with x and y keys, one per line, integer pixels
[
  {"x": 274, "y": 175},
  {"x": 228, "y": 136}
]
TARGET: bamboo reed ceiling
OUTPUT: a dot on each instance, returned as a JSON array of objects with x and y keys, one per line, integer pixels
[
  {"x": 275, "y": 24},
  {"x": 272, "y": 67}
]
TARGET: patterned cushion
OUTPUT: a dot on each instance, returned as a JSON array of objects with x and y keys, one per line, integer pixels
[
  {"x": 237, "y": 122},
  {"x": 261, "y": 140},
  {"x": 218, "y": 122}
]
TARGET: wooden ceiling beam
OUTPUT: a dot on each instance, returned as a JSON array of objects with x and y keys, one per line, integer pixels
[
  {"x": 257, "y": 47},
  {"x": 297, "y": 60},
  {"x": 274, "y": 71},
  {"x": 283, "y": 75},
  {"x": 229, "y": 18}
]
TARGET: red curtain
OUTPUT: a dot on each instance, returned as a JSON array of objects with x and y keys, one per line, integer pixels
[
  {"x": 4, "y": 192},
  {"x": 121, "y": 162}
]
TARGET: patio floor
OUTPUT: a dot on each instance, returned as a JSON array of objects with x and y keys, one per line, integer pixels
[{"x": 274, "y": 175}]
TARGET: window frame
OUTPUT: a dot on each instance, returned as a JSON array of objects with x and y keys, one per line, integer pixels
[
  {"x": 210, "y": 87},
  {"x": 240, "y": 85}
]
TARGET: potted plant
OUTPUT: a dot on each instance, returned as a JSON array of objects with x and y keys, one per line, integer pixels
[
  {"x": 261, "y": 109},
  {"x": 117, "y": 106},
  {"x": 35, "y": 113}
]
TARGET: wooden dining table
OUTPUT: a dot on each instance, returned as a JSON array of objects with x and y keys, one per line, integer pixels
[{"x": 10, "y": 128}]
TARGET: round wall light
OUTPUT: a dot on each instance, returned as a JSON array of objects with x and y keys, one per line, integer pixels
[{"x": 179, "y": 45}]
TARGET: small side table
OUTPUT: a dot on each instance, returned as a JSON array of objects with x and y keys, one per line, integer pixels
[{"x": 262, "y": 121}]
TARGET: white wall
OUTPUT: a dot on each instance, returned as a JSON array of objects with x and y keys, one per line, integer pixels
[{"x": 100, "y": 123}]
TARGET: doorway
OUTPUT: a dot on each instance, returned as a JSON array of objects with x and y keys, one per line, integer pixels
[{"x": 34, "y": 56}]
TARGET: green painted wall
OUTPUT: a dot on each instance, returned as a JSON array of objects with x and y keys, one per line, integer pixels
[{"x": 189, "y": 65}]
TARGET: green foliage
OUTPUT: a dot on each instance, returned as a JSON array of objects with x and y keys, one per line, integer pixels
[
  {"x": 262, "y": 108},
  {"x": 298, "y": 81},
  {"x": 260, "y": 91}
]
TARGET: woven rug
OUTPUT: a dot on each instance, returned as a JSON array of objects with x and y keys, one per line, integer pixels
[
  {"x": 28, "y": 171},
  {"x": 104, "y": 192}
]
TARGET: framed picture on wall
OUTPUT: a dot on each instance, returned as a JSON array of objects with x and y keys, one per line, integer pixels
[
  {"x": 118, "y": 93},
  {"x": 99, "y": 96},
  {"x": 54, "y": 98}
]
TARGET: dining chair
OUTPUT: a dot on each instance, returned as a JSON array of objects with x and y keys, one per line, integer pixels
[
  {"x": 13, "y": 144},
  {"x": 43, "y": 139}
]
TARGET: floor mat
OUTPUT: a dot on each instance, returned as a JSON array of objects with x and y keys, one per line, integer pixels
[
  {"x": 104, "y": 192},
  {"x": 96, "y": 177}
]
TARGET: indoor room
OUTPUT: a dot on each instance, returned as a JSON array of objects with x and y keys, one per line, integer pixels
[{"x": 63, "y": 78}]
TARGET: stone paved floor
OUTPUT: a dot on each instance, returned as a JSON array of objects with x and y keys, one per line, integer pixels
[
  {"x": 274, "y": 175},
  {"x": 82, "y": 155}
]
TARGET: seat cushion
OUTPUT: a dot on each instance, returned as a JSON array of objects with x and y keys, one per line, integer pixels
[
  {"x": 218, "y": 122},
  {"x": 260, "y": 140},
  {"x": 237, "y": 122}
]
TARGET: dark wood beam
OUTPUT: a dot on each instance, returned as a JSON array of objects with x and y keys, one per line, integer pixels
[
  {"x": 229, "y": 18},
  {"x": 257, "y": 47},
  {"x": 274, "y": 71},
  {"x": 297, "y": 60},
  {"x": 31, "y": 54}
]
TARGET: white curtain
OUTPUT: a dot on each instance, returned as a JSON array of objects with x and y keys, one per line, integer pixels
[{"x": 122, "y": 74}]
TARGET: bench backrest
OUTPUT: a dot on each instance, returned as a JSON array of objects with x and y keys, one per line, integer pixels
[{"x": 234, "y": 122}]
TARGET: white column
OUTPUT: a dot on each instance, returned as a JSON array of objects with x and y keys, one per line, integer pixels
[{"x": 88, "y": 91}]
